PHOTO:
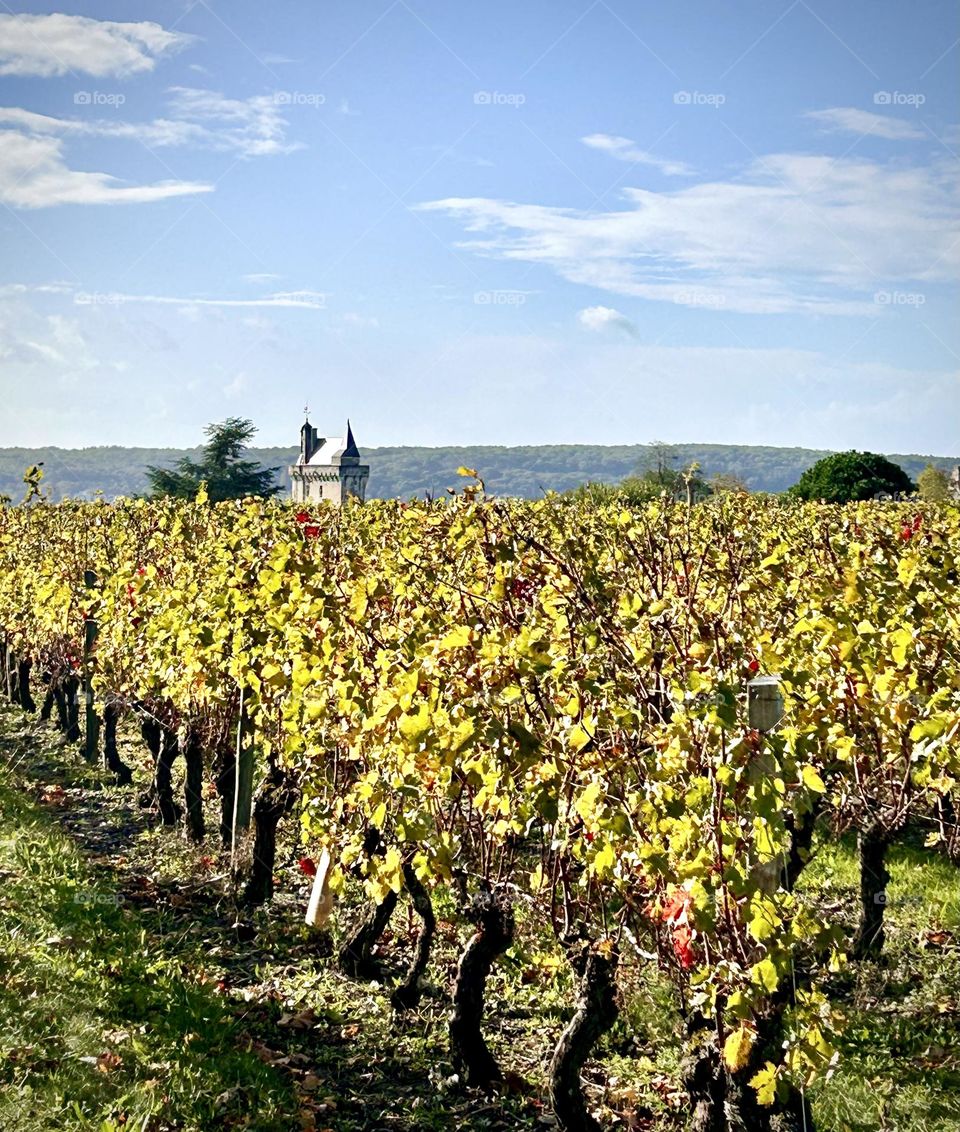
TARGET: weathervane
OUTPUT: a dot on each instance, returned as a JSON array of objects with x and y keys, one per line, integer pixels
[{"x": 306, "y": 411}]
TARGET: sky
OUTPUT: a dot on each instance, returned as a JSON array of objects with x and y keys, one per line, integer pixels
[{"x": 557, "y": 221}]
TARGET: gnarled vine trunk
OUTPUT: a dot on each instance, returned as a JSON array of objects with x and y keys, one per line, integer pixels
[
  {"x": 594, "y": 1014},
  {"x": 277, "y": 796},
  {"x": 170, "y": 811},
  {"x": 46, "y": 708},
  {"x": 703, "y": 1076},
  {"x": 408, "y": 994},
  {"x": 65, "y": 695},
  {"x": 492, "y": 915},
  {"x": 191, "y": 744},
  {"x": 356, "y": 955},
  {"x": 872, "y": 845},
  {"x": 111, "y": 756},
  {"x": 25, "y": 699},
  {"x": 225, "y": 780}
]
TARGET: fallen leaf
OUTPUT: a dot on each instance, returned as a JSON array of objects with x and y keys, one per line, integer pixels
[{"x": 108, "y": 1060}]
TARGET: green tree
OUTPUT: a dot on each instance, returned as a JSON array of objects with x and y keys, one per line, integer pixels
[
  {"x": 221, "y": 467},
  {"x": 847, "y": 476},
  {"x": 934, "y": 484},
  {"x": 723, "y": 483}
]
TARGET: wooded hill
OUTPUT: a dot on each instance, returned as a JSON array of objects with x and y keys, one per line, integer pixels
[{"x": 526, "y": 471}]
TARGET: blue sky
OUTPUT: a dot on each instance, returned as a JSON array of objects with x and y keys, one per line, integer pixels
[{"x": 551, "y": 222}]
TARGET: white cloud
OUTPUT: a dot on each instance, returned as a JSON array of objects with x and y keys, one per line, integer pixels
[
  {"x": 260, "y": 277},
  {"x": 623, "y": 149},
  {"x": 33, "y": 174},
  {"x": 849, "y": 120},
  {"x": 58, "y": 44},
  {"x": 604, "y": 318},
  {"x": 252, "y": 127},
  {"x": 792, "y": 233}
]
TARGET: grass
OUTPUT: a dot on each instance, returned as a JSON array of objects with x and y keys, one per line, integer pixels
[
  {"x": 900, "y": 1045},
  {"x": 100, "y": 1025},
  {"x": 135, "y": 994}
]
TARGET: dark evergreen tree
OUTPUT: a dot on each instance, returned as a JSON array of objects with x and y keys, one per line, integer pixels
[{"x": 221, "y": 467}]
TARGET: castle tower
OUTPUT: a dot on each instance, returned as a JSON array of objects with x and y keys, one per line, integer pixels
[{"x": 328, "y": 468}]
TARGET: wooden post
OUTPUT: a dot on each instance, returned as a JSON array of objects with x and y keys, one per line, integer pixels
[
  {"x": 243, "y": 799},
  {"x": 764, "y": 712},
  {"x": 91, "y": 738},
  {"x": 242, "y": 787},
  {"x": 321, "y": 898},
  {"x": 764, "y": 703}
]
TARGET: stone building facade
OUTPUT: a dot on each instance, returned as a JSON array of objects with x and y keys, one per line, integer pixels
[{"x": 328, "y": 468}]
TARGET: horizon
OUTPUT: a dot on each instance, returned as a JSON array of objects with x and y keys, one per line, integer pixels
[
  {"x": 563, "y": 219},
  {"x": 365, "y": 448}
]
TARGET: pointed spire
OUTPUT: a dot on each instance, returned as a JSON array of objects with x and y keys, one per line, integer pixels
[{"x": 350, "y": 448}]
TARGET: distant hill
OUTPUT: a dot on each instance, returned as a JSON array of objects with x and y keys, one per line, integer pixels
[{"x": 405, "y": 472}]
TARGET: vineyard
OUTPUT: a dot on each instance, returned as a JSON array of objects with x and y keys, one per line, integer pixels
[{"x": 631, "y": 735}]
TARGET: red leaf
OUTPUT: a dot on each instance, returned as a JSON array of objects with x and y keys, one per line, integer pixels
[
  {"x": 682, "y": 938},
  {"x": 675, "y": 909},
  {"x": 307, "y": 867}
]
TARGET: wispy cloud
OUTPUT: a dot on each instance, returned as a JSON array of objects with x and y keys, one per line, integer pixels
[
  {"x": 307, "y": 300},
  {"x": 849, "y": 120},
  {"x": 623, "y": 149},
  {"x": 252, "y": 127},
  {"x": 310, "y": 300},
  {"x": 60, "y": 44},
  {"x": 791, "y": 233}
]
